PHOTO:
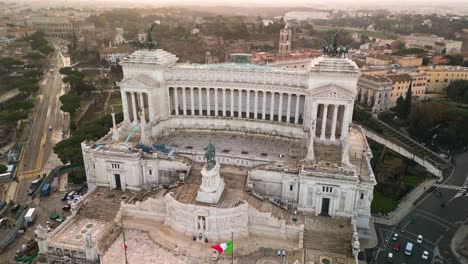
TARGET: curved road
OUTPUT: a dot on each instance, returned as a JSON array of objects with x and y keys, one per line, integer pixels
[{"x": 436, "y": 216}]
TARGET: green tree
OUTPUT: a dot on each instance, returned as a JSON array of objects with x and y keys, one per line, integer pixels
[
  {"x": 66, "y": 70},
  {"x": 34, "y": 74},
  {"x": 3, "y": 168},
  {"x": 12, "y": 116},
  {"x": 407, "y": 103},
  {"x": 70, "y": 103},
  {"x": 457, "y": 90},
  {"x": 400, "y": 108},
  {"x": 69, "y": 150}
]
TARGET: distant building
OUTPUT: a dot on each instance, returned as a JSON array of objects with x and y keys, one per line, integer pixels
[
  {"x": 7, "y": 40},
  {"x": 59, "y": 27},
  {"x": 422, "y": 41},
  {"x": 267, "y": 22},
  {"x": 285, "y": 40},
  {"x": 418, "y": 84},
  {"x": 378, "y": 60},
  {"x": 20, "y": 32},
  {"x": 116, "y": 53},
  {"x": 439, "y": 77},
  {"x": 374, "y": 92},
  {"x": 400, "y": 85},
  {"x": 410, "y": 61},
  {"x": 299, "y": 15},
  {"x": 207, "y": 57},
  {"x": 119, "y": 38}
]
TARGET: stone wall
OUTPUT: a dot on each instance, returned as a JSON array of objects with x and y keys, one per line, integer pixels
[
  {"x": 154, "y": 209},
  {"x": 214, "y": 223}
]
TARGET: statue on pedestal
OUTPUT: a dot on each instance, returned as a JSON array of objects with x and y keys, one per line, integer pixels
[
  {"x": 210, "y": 156},
  {"x": 212, "y": 186}
]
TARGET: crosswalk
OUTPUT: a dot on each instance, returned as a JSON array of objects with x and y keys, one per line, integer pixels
[{"x": 448, "y": 186}]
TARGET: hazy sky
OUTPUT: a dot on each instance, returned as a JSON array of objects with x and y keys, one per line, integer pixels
[{"x": 459, "y": 5}]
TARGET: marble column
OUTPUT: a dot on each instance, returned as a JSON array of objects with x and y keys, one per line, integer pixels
[
  {"x": 192, "y": 101},
  {"x": 184, "y": 101},
  {"x": 208, "y": 102},
  {"x": 240, "y": 103},
  {"x": 288, "y": 107},
  {"x": 256, "y": 105},
  {"x": 310, "y": 149},
  {"x": 135, "y": 116},
  {"x": 264, "y": 105},
  {"x": 216, "y": 101},
  {"x": 231, "y": 92},
  {"x": 176, "y": 101},
  {"x": 345, "y": 123},
  {"x": 151, "y": 110},
  {"x": 335, "y": 116},
  {"x": 247, "y": 107},
  {"x": 280, "y": 111},
  {"x": 296, "y": 114},
  {"x": 272, "y": 106},
  {"x": 224, "y": 102},
  {"x": 125, "y": 106},
  {"x": 324, "y": 121},
  {"x": 200, "y": 103},
  {"x": 143, "y": 112}
]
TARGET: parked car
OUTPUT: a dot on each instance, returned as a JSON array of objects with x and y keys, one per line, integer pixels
[
  {"x": 419, "y": 239},
  {"x": 397, "y": 246},
  {"x": 14, "y": 208},
  {"x": 390, "y": 257},
  {"x": 425, "y": 255},
  {"x": 409, "y": 249},
  {"x": 395, "y": 236},
  {"x": 66, "y": 207},
  {"x": 2, "y": 221}
]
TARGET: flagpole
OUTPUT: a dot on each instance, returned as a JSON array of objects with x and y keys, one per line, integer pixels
[
  {"x": 123, "y": 237},
  {"x": 232, "y": 244}
]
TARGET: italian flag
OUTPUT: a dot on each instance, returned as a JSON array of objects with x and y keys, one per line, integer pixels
[{"x": 223, "y": 248}]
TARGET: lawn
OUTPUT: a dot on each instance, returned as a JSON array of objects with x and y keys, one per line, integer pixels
[
  {"x": 382, "y": 204},
  {"x": 412, "y": 181}
]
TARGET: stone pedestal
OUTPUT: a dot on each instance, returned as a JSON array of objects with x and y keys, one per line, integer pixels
[{"x": 212, "y": 186}]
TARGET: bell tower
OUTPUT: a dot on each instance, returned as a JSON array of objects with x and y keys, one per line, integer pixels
[{"x": 285, "y": 40}]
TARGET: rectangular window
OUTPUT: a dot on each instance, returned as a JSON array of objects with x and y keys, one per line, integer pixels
[
  {"x": 362, "y": 196},
  {"x": 150, "y": 172},
  {"x": 290, "y": 187}
]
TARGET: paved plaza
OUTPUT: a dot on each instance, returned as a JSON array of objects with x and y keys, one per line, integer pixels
[{"x": 268, "y": 148}]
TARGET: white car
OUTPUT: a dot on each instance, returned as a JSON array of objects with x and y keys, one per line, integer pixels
[
  {"x": 419, "y": 239},
  {"x": 395, "y": 236},
  {"x": 425, "y": 255}
]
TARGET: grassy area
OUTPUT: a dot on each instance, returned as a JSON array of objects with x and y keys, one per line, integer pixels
[
  {"x": 116, "y": 102},
  {"x": 370, "y": 34},
  {"x": 382, "y": 204},
  {"x": 412, "y": 181}
]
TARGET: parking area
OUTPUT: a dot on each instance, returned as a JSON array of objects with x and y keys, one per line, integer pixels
[{"x": 45, "y": 206}]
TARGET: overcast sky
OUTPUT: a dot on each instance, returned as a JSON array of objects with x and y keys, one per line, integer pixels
[{"x": 459, "y": 5}]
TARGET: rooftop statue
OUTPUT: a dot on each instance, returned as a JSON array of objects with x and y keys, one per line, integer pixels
[
  {"x": 210, "y": 156},
  {"x": 149, "y": 43},
  {"x": 334, "y": 49}
]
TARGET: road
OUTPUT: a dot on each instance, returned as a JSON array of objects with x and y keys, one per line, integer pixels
[
  {"x": 436, "y": 216},
  {"x": 45, "y": 128}
]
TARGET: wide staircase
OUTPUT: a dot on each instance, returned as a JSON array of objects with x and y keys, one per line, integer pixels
[
  {"x": 266, "y": 206},
  {"x": 326, "y": 241},
  {"x": 328, "y": 234}
]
